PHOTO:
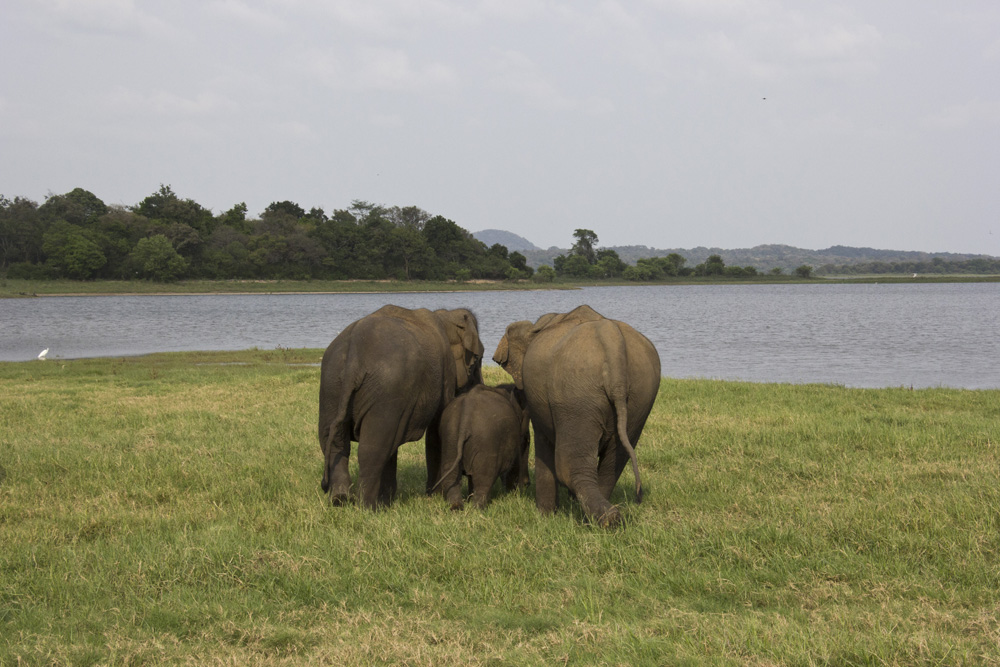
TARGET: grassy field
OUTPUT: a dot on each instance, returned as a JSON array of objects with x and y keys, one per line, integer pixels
[{"x": 167, "y": 509}]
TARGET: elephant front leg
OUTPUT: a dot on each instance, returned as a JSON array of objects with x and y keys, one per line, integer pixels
[
  {"x": 387, "y": 485},
  {"x": 546, "y": 488}
]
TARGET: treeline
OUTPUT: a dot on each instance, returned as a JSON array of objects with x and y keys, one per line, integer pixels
[
  {"x": 584, "y": 260},
  {"x": 983, "y": 265},
  {"x": 165, "y": 237}
]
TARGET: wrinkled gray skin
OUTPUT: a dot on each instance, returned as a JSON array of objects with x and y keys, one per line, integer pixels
[
  {"x": 484, "y": 435},
  {"x": 385, "y": 380},
  {"x": 590, "y": 383}
]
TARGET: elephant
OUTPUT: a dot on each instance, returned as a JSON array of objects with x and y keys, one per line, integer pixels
[
  {"x": 484, "y": 432},
  {"x": 385, "y": 380},
  {"x": 590, "y": 383}
]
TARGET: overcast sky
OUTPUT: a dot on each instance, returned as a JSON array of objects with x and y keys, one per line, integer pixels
[{"x": 667, "y": 123}]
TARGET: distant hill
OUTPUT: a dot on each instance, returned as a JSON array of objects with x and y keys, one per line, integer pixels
[
  {"x": 509, "y": 239},
  {"x": 764, "y": 257}
]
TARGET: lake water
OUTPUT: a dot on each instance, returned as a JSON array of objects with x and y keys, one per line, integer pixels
[{"x": 919, "y": 335}]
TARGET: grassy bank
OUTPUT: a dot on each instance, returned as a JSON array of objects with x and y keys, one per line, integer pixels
[
  {"x": 12, "y": 288},
  {"x": 167, "y": 508}
]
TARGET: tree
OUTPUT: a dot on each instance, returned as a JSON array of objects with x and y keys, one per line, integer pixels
[
  {"x": 78, "y": 207},
  {"x": 286, "y": 207},
  {"x": 236, "y": 217},
  {"x": 640, "y": 272},
  {"x": 804, "y": 271},
  {"x": 155, "y": 258},
  {"x": 20, "y": 232},
  {"x": 584, "y": 246},
  {"x": 545, "y": 274},
  {"x": 673, "y": 264},
  {"x": 520, "y": 262},
  {"x": 165, "y": 206},
  {"x": 408, "y": 216},
  {"x": 408, "y": 249},
  {"x": 71, "y": 253},
  {"x": 714, "y": 265},
  {"x": 576, "y": 266},
  {"x": 609, "y": 264}
]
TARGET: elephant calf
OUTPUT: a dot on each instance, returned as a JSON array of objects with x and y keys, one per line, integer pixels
[{"x": 484, "y": 433}]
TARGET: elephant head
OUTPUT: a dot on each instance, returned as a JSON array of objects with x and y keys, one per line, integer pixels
[
  {"x": 510, "y": 351},
  {"x": 466, "y": 348}
]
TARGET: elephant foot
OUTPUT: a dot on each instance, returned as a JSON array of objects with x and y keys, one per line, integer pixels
[
  {"x": 339, "y": 499},
  {"x": 457, "y": 506},
  {"x": 612, "y": 518}
]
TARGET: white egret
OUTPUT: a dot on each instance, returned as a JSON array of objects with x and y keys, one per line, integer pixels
[{"x": 41, "y": 355}]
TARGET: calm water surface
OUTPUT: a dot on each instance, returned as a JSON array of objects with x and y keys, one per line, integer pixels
[{"x": 855, "y": 335}]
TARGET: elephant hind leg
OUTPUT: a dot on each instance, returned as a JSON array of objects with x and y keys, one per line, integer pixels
[
  {"x": 546, "y": 488},
  {"x": 336, "y": 475},
  {"x": 376, "y": 463},
  {"x": 610, "y": 469},
  {"x": 481, "y": 491},
  {"x": 582, "y": 470}
]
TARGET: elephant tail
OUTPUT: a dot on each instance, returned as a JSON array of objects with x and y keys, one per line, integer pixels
[
  {"x": 621, "y": 410},
  {"x": 616, "y": 382},
  {"x": 458, "y": 461},
  {"x": 332, "y": 438}
]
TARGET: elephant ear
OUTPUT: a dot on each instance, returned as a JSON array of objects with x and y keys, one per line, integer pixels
[{"x": 463, "y": 339}]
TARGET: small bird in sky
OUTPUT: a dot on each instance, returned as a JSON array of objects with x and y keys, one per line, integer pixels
[{"x": 42, "y": 354}]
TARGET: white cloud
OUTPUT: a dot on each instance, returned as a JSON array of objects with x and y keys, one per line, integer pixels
[
  {"x": 958, "y": 116},
  {"x": 253, "y": 16},
  {"x": 836, "y": 42},
  {"x": 105, "y": 16},
  {"x": 166, "y": 104},
  {"x": 992, "y": 50},
  {"x": 392, "y": 70},
  {"x": 295, "y": 130},
  {"x": 517, "y": 75},
  {"x": 713, "y": 9}
]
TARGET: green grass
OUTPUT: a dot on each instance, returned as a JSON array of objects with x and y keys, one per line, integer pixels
[
  {"x": 13, "y": 288},
  {"x": 167, "y": 509}
]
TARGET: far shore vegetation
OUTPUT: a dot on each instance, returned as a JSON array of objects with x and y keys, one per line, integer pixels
[
  {"x": 75, "y": 243},
  {"x": 167, "y": 509},
  {"x": 14, "y": 288}
]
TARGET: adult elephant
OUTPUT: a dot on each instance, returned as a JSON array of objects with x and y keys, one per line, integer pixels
[
  {"x": 385, "y": 380},
  {"x": 590, "y": 383}
]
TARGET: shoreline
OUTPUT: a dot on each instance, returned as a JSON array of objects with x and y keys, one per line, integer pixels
[{"x": 23, "y": 289}]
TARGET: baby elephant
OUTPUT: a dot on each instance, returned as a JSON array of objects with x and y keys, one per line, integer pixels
[{"x": 484, "y": 434}]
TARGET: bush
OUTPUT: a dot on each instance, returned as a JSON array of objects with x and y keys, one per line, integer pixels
[
  {"x": 29, "y": 271},
  {"x": 544, "y": 274},
  {"x": 155, "y": 258}
]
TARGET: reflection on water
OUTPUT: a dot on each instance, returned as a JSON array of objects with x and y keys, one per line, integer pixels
[{"x": 918, "y": 335}]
